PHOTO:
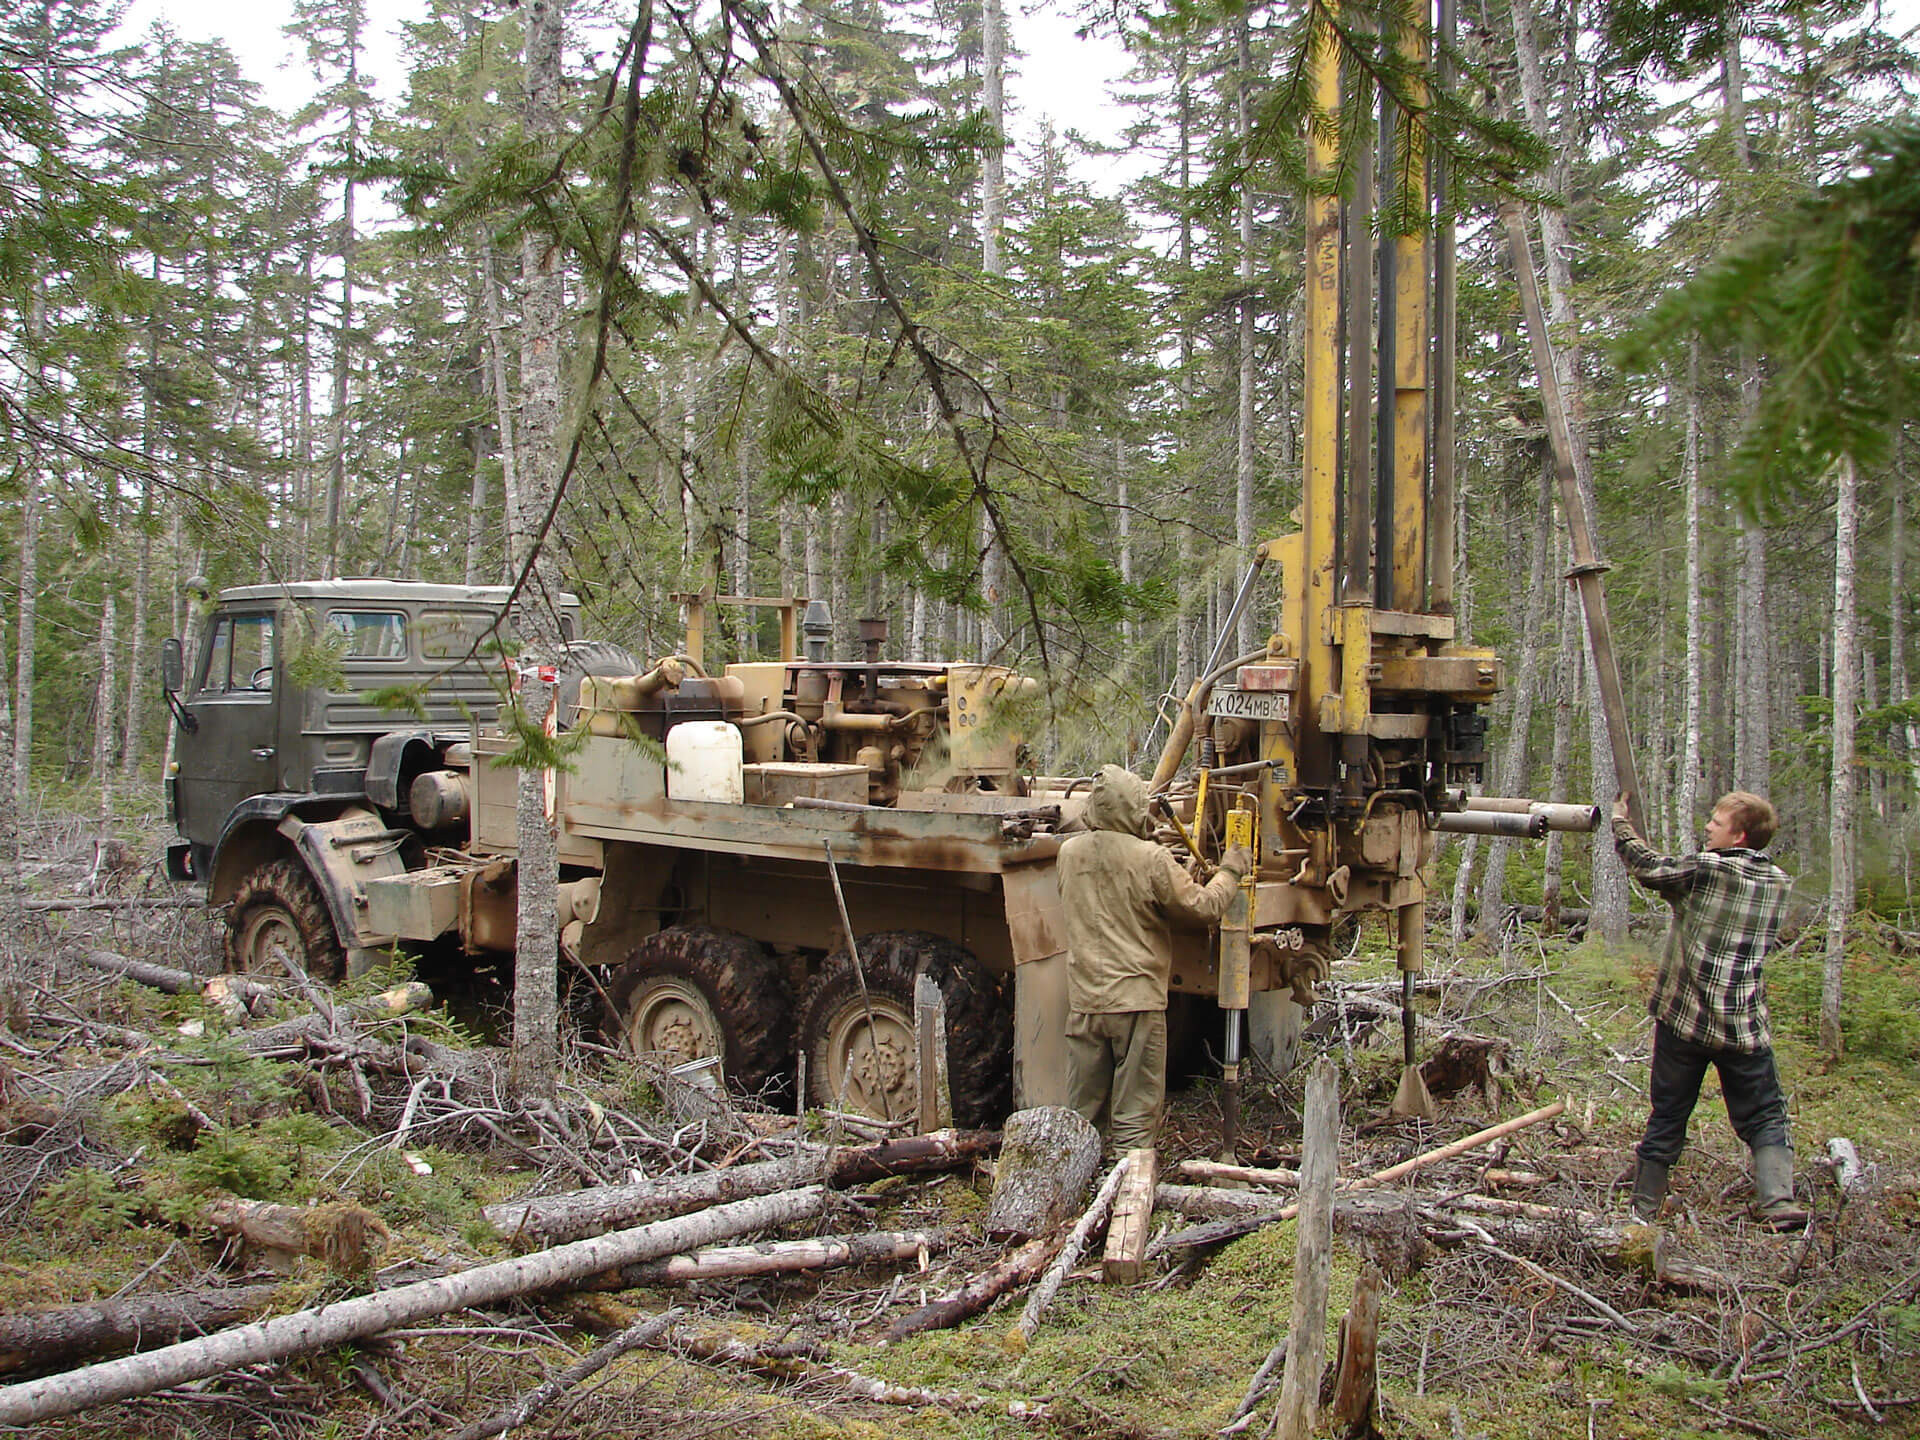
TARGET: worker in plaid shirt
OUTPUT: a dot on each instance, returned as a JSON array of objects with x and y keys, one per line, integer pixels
[{"x": 1709, "y": 1003}]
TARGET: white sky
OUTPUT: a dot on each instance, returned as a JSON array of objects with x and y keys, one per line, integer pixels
[{"x": 1061, "y": 76}]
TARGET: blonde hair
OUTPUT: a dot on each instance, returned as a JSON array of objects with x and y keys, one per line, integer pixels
[{"x": 1751, "y": 814}]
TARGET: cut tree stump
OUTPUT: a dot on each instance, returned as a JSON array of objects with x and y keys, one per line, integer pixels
[
  {"x": 1129, "y": 1229},
  {"x": 1356, "y": 1383},
  {"x": 1047, "y": 1159},
  {"x": 1295, "y": 1414}
]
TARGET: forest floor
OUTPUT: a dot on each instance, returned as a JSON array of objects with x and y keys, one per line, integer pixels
[{"x": 127, "y": 1112}]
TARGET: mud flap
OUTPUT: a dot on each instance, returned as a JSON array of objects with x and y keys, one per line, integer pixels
[
  {"x": 342, "y": 855},
  {"x": 1037, "y": 926}
]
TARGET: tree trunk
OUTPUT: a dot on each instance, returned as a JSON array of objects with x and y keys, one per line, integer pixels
[
  {"x": 1243, "y": 468},
  {"x": 1689, "y": 789},
  {"x": 1089, "y": 1224},
  {"x": 1610, "y": 891},
  {"x": 1567, "y": 684},
  {"x": 20, "y": 751},
  {"x": 536, "y": 1010},
  {"x": 1510, "y": 775},
  {"x": 342, "y": 1321},
  {"x": 1846, "y": 689},
  {"x": 103, "y": 717}
]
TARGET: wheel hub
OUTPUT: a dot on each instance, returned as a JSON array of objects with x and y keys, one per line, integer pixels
[
  {"x": 269, "y": 940},
  {"x": 674, "y": 1020},
  {"x": 873, "y": 1069}
]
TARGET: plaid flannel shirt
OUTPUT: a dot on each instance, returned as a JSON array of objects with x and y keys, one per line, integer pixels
[{"x": 1727, "y": 909}]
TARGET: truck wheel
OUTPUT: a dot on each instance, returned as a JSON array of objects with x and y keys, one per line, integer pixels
[
  {"x": 690, "y": 992},
  {"x": 872, "y": 1070},
  {"x": 278, "y": 911}
]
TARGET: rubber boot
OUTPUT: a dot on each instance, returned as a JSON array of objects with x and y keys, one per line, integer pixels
[
  {"x": 1773, "y": 1202},
  {"x": 1649, "y": 1189}
]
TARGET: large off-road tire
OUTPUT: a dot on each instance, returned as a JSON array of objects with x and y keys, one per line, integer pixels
[
  {"x": 847, "y": 1070},
  {"x": 690, "y": 992},
  {"x": 278, "y": 910},
  {"x": 584, "y": 658}
]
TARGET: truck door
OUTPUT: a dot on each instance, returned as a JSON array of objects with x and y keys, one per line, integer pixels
[{"x": 231, "y": 752}]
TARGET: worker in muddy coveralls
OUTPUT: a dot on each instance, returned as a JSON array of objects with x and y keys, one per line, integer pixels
[
  {"x": 1709, "y": 1001},
  {"x": 1121, "y": 891}
]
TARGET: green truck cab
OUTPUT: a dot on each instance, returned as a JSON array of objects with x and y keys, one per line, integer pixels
[{"x": 261, "y": 759}]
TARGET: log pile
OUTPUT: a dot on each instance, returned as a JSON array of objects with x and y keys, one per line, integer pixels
[{"x": 678, "y": 1214}]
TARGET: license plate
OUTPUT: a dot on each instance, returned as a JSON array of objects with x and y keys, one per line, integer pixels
[{"x": 1274, "y": 705}]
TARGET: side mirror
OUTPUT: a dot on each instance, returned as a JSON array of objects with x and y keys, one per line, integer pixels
[{"x": 173, "y": 666}]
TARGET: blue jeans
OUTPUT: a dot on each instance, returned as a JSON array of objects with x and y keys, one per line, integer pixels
[{"x": 1749, "y": 1083}]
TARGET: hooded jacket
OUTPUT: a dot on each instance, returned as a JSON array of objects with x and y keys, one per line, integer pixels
[{"x": 1121, "y": 892}]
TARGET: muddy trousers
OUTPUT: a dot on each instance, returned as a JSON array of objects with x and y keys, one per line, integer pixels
[
  {"x": 1117, "y": 1073},
  {"x": 1749, "y": 1084}
]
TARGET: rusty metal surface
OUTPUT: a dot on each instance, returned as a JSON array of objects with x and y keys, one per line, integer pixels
[{"x": 616, "y": 794}]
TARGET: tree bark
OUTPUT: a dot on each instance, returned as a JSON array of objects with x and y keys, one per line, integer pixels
[
  {"x": 779, "y": 1257},
  {"x": 1094, "y": 1217},
  {"x": 1356, "y": 1385},
  {"x": 1510, "y": 774},
  {"x": 1846, "y": 691},
  {"x": 1610, "y": 890},
  {"x": 1047, "y": 1159},
  {"x": 549, "y": 1219},
  {"x": 306, "y": 1331},
  {"x": 978, "y": 1293},
  {"x": 1688, "y": 802},
  {"x": 43, "y": 1339},
  {"x": 1297, "y": 1409},
  {"x": 536, "y": 1010}
]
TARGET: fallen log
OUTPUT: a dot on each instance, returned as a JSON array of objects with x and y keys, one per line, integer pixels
[
  {"x": 164, "y": 978},
  {"x": 551, "y": 1219},
  {"x": 636, "y": 1336},
  {"x": 576, "y": 1214},
  {"x": 911, "y": 1155},
  {"x": 1213, "y": 1202},
  {"x": 1253, "y": 1217},
  {"x": 1070, "y": 1253},
  {"x": 47, "y": 1338},
  {"x": 1852, "y": 1175},
  {"x": 1215, "y": 1172},
  {"x": 790, "y": 1365},
  {"x": 129, "y": 902},
  {"x": 978, "y": 1293},
  {"x": 1047, "y": 1158},
  {"x": 723, "y": 1262},
  {"x": 335, "y": 1324}
]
